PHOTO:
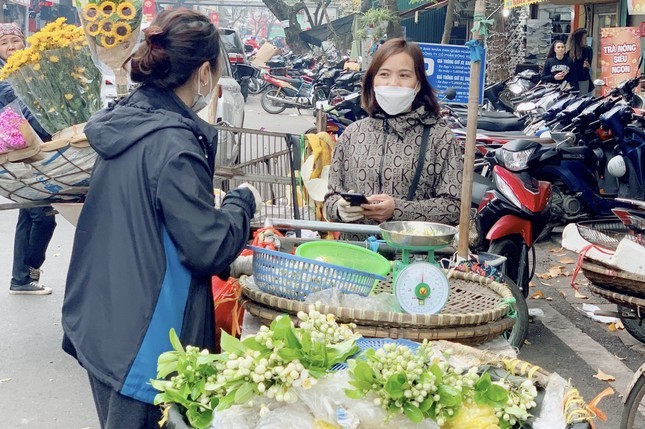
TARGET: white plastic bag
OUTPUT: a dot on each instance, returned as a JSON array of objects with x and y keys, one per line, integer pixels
[{"x": 552, "y": 411}]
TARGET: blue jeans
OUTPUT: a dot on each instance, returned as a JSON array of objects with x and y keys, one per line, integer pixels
[{"x": 33, "y": 233}]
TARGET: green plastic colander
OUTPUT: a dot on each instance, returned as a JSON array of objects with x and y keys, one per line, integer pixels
[{"x": 346, "y": 255}]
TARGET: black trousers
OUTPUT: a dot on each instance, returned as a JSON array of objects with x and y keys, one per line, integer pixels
[
  {"x": 33, "y": 232},
  {"x": 116, "y": 411}
]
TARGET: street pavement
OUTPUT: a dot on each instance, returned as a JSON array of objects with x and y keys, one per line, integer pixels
[{"x": 43, "y": 388}]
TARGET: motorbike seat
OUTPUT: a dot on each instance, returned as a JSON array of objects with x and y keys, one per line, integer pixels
[
  {"x": 293, "y": 80},
  {"x": 498, "y": 124}
]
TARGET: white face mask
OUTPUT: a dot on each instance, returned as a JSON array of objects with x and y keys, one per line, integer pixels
[
  {"x": 395, "y": 99},
  {"x": 200, "y": 101}
]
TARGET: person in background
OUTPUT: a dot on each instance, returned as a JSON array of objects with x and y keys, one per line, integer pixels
[
  {"x": 558, "y": 65},
  {"x": 35, "y": 226},
  {"x": 149, "y": 239},
  {"x": 403, "y": 157},
  {"x": 581, "y": 56}
]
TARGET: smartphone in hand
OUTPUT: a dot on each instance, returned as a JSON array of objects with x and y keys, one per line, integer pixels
[{"x": 354, "y": 199}]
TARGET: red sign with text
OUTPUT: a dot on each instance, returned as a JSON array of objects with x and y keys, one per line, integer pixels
[
  {"x": 620, "y": 49},
  {"x": 214, "y": 17},
  {"x": 148, "y": 10}
]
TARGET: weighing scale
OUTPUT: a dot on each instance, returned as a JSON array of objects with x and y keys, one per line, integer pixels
[{"x": 420, "y": 287}]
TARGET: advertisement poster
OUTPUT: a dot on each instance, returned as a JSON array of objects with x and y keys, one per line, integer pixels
[
  {"x": 148, "y": 10},
  {"x": 448, "y": 66},
  {"x": 620, "y": 49},
  {"x": 636, "y": 7}
]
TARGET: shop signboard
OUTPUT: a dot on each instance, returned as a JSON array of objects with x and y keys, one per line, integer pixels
[
  {"x": 20, "y": 2},
  {"x": 148, "y": 10},
  {"x": 510, "y": 4},
  {"x": 620, "y": 50},
  {"x": 636, "y": 7},
  {"x": 448, "y": 66}
]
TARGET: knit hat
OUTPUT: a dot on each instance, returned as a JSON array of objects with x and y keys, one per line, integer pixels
[{"x": 7, "y": 29}]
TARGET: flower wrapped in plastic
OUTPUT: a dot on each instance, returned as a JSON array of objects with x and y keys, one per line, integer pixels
[
  {"x": 15, "y": 132},
  {"x": 55, "y": 76},
  {"x": 112, "y": 28}
]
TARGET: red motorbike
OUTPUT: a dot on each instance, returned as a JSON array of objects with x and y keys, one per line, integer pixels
[{"x": 515, "y": 211}]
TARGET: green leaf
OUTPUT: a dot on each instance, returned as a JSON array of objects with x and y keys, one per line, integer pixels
[
  {"x": 280, "y": 326},
  {"x": 364, "y": 372},
  {"x": 355, "y": 394},
  {"x": 292, "y": 339},
  {"x": 166, "y": 368},
  {"x": 199, "y": 419},
  {"x": 426, "y": 404},
  {"x": 252, "y": 344},
  {"x": 413, "y": 412},
  {"x": 174, "y": 341},
  {"x": 231, "y": 344},
  {"x": 206, "y": 359},
  {"x": 360, "y": 384},
  {"x": 437, "y": 372},
  {"x": 497, "y": 394},
  {"x": 244, "y": 393},
  {"x": 227, "y": 401},
  {"x": 159, "y": 385},
  {"x": 484, "y": 382},
  {"x": 305, "y": 341},
  {"x": 289, "y": 354},
  {"x": 450, "y": 396},
  {"x": 394, "y": 386}
]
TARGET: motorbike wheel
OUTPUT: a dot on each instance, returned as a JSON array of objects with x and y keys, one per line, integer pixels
[
  {"x": 255, "y": 86},
  {"x": 270, "y": 106},
  {"x": 517, "y": 335},
  {"x": 632, "y": 402},
  {"x": 633, "y": 325},
  {"x": 511, "y": 248}
]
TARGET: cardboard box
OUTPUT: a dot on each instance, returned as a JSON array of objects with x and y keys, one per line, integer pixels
[{"x": 265, "y": 53}]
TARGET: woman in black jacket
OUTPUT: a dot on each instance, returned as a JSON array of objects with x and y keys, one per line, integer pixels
[
  {"x": 581, "y": 56},
  {"x": 148, "y": 239},
  {"x": 558, "y": 66}
]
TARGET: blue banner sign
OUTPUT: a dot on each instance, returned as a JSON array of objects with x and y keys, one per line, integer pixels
[{"x": 448, "y": 66}]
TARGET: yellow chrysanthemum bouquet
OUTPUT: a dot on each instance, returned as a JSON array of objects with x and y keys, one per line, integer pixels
[
  {"x": 112, "y": 28},
  {"x": 55, "y": 76}
]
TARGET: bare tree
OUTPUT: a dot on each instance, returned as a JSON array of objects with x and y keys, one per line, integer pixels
[
  {"x": 394, "y": 28},
  {"x": 286, "y": 12},
  {"x": 449, "y": 22}
]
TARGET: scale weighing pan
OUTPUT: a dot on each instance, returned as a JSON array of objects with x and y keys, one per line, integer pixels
[{"x": 417, "y": 235}]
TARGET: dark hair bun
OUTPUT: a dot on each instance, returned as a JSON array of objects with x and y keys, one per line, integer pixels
[
  {"x": 176, "y": 44},
  {"x": 150, "y": 61}
]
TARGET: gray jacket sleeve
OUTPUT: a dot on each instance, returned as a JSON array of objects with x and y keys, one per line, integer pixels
[
  {"x": 207, "y": 239},
  {"x": 336, "y": 178}
]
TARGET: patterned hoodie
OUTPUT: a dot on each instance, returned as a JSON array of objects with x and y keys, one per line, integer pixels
[{"x": 378, "y": 155}]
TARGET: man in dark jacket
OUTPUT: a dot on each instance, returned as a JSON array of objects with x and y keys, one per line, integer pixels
[{"x": 35, "y": 225}]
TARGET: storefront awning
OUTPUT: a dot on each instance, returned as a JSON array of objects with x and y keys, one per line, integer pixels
[
  {"x": 20, "y": 2},
  {"x": 510, "y": 4}
]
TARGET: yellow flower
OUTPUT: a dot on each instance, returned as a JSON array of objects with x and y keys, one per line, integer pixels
[
  {"x": 122, "y": 30},
  {"x": 109, "y": 42},
  {"x": 90, "y": 12},
  {"x": 126, "y": 10},
  {"x": 107, "y": 8},
  {"x": 93, "y": 29},
  {"x": 107, "y": 28},
  {"x": 54, "y": 59},
  {"x": 68, "y": 96},
  {"x": 37, "y": 66}
]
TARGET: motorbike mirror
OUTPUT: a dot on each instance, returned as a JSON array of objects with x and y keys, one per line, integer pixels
[
  {"x": 450, "y": 93},
  {"x": 599, "y": 82},
  {"x": 526, "y": 107}
]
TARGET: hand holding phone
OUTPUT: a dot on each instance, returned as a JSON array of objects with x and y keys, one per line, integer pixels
[{"x": 354, "y": 199}]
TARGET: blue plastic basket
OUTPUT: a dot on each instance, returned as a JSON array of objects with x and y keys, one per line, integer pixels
[
  {"x": 293, "y": 277},
  {"x": 376, "y": 343}
]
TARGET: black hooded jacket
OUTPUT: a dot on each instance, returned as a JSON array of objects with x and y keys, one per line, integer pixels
[{"x": 148, "y": 240}]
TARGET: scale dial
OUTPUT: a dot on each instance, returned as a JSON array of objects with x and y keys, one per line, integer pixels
[{"x": 421, "y": 288}]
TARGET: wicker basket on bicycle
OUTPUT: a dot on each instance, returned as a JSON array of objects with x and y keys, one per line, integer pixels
[{"x": 58, "y": 169}]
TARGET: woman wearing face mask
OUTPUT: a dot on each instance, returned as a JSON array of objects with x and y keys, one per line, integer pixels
[
  {"x": 149, "y": 239},
  {"x": 403, "y": 157},
  {"x": 558, "y": 65}
]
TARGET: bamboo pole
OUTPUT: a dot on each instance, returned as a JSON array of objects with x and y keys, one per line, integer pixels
[{"x": 471, "y": 132}]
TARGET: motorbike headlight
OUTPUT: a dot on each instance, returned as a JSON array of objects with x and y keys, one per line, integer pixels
[
  {"x": 516, "y": 88},
  {"x": 506, "y": 190},
  {"x": 516, "y": 161}
]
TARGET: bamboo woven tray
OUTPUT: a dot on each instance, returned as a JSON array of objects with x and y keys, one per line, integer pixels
[
  {"x": 474, "y": 335},
  {"x": 615, "y": 280},
  {"x": 473, "y": 300},
  {"x": 618, "y": 298}
]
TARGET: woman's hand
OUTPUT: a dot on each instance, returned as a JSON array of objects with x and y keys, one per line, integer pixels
[
  {"x": 380, "y": 208},
  {"x": 560, "y": 76},
  {"x": 586, "y": 64}
]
